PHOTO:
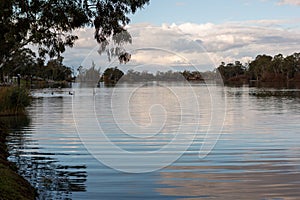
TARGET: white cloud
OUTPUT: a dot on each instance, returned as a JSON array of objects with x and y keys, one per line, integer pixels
[
  {"x": 289, "y": 2},
  {"x": 205, "y": 45}
]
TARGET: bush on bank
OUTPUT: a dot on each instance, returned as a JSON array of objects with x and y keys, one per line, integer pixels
[{"x": 13, "y": 100}]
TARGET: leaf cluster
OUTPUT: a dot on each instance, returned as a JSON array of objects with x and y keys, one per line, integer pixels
[{"x": 50, "y": 24}]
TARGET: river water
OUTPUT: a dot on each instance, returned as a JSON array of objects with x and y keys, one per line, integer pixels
[{"x": 256, "y": 156}]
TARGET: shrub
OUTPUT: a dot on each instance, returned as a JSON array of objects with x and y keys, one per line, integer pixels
[{"x": 13, "y": 100}]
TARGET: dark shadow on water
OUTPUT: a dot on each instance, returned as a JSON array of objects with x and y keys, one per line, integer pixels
[
  {"x": 51, "y": 179},
  {"x": 15, "y": 122},
  {"x": 264, "y": 93},
  {"x": 275, "y": 85}
]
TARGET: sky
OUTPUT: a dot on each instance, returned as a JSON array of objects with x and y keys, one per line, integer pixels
[{"x": 174, "y": 34}]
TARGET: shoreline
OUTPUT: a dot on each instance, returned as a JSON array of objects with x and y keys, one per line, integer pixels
[{"x": 12, "y": 185}]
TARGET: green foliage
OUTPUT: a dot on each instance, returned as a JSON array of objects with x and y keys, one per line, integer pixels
[
  {"x": 13, "y": 100},
  {"x": 111, "y": 76},
  {"x": 23, "y": 62},
  {"x": 45, "y": 23},
  {"x": 110, "y": 18},
  {"x": 37, "y": 71},
  {"x": 231, "y": 70},
  {"x": 192, "y": 76},
  {"x": 264, "y": 68},
  {"x": 260, "y": 66},
  {"x": 145, "y": 76},
  {"x": 49, "y": 24},
  {"x": 55, "y": 70}
]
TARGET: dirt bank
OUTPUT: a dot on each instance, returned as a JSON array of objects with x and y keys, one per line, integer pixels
[{"x": 12, "y": 185}]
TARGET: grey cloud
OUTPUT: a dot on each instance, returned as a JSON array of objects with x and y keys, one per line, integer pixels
[
  {"x": 276, "y": 39},
  {"x": 290, "y": 2},
  {"x": 223, "y": 41},
  {"x": 187, "y": 46}
]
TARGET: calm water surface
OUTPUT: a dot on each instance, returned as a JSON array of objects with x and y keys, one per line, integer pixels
[{"x": 256, "y": 157}]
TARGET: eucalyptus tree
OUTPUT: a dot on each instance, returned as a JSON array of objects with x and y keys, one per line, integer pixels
[
  {"x": 50, "y": 25},
  {"x": 291, "y": 65},
  {"x": 259, "y": 66},
  {"x": 276, "y": 65}
]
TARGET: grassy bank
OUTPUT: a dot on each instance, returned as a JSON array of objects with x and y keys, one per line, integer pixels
[
  {"x": 13, "y": 100},
  {"x": 12, "y": 185}
]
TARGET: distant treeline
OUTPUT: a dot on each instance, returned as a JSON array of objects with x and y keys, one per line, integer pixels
[
  {"x": 114, "y": 75},
  {"x": 31, "y": 69},
  {"x": 134, "y": 76},
  {"x": 264, "y": 68}
]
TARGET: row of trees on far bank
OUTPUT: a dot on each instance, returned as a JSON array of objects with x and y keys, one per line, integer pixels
[
  {"x": 264, "y": 68},
  {"x": 114, "y": 75},
  {"x": 30, "y": 68}
]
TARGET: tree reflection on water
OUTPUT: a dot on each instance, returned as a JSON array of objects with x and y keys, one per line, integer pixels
[{"x": 51, "y": 179}]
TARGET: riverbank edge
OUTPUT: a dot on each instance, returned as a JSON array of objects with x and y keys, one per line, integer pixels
[{"x": 12, "y": 185}]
